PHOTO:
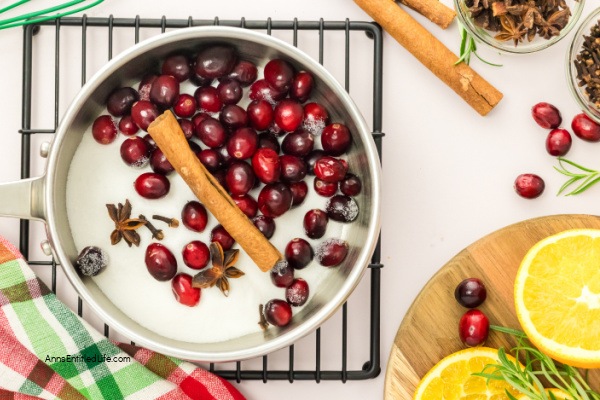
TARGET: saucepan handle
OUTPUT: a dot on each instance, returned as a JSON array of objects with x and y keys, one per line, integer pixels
[{"x": 23, "y": 199}]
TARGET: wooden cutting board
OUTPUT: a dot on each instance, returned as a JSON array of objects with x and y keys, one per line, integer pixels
[{"x": 429, "y": 331}]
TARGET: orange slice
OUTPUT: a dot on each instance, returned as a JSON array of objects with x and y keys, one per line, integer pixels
[{"x": 557, "y": 297}]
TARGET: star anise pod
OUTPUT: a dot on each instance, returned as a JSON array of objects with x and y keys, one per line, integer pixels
[
  {"x": 222, "y": 269},
  {"x": 511, "y": 30},
  {"x": 125, "y": 226}
]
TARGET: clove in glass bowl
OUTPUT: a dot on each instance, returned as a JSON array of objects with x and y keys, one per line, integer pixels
[{"x": 519, "y": 26}]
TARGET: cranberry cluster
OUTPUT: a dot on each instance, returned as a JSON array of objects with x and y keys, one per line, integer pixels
[{"x": 473, "y": 327}]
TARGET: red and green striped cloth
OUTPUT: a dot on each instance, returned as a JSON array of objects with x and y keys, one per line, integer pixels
[{"x": 48, "y": 352}]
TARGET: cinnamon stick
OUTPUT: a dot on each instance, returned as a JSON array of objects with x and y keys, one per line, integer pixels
[
  {"x": 469, "y": 85},
  {"x": 433, "y": 10},
  {"x": 169, "y": 137}
]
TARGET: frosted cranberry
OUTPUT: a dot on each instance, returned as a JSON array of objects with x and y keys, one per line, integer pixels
[
  {"x": 185, "y": 106},
  {"x": 220, "y": 235},
  {"x": 315, "y": 223},
  {"x": 201, "y": 116},
  {"x": 473, "y": 328},
  {"x": 164, "y": 91},
  {"x": 240, "y": 178},
  {"x": 275, "y": 199},
  {"x": 120, "y": 101},
  {"x": 211, "y": 132},
  {"x": 312, "y": 158},
  {"x": 558, "y": 142},
  {"x": 215, "y": 61},
  {"x": 145, "y": 85},
  {"x": 178, "y": 66},
  {"x": 266, "y": 225},
  {"x": 161, "y": 263},
  {"x": 288, "y": 115},
  {"x": 332, "y": 252},
  {"x": 529, "y": 186},
  {"x": 282, "y": 275},
  {"x": 546, "y": 115},
  {"x": 260, "y": 114},
  {"x": 299, "y": 192},
  {"x": 143, "y": 113},
  {"x": 316, "y": 118},
  {"x": 325, "y": 189},
  {"x": 351, "y": 185},
  {"x": 279, "y": 74},
  {"x": 151, "y": 185},
  {"x": 247, "y": 204},
  {"x": 342, "y": 208},
  {"x": 585, "y": 128},
  {"x": 242, "y": 143},
  {"x": 293, "y": 169},
  {"x": 244, "y": 72},
  {"x": 233, "y": 117},
  {"x": 135, "y": 152},
  {"x": 336, "y": 139},
  {"x": 266, "y": 165},
  {"x": 298, "y": 253},
  {"x": 299, "y": 143},
  {"x": 470, "y": 293},
  {"x": 208, "y": 100},
  {"x": 196, "y": 254},
  {"x": 301, "y": 87},
  {"x": 278, "y": 312},
  {"x": 329, "y": 169},
  {"x": 211, "y": 159},
  {"x": 267, "y": 140},
  {"x": 104, "y": 130},
  {"x": 187, "y": 127},
  {"x": 194, "y": 216},
  {"x": 230, "y": 91},
  {"x": 159, "y": 163},
  {"x": 184, "y": 292},
  {"x": 261, "y": 90},
  {"x": 297, "y": 293}
]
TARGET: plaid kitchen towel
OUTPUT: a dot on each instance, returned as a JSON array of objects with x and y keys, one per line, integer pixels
[{"x": 48, "y": 352}]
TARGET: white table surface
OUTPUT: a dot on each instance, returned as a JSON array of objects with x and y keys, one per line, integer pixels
[{"x": 448, "y": 173}]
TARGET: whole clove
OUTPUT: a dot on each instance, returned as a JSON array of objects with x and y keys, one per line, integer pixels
[
  {"x": 156, "y": 233},
  {"x": 171, "y": 222},
  {"x": 587, "y": 65}
]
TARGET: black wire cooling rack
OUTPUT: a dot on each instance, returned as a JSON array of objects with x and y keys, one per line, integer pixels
[{"x": 372, "y": 366}]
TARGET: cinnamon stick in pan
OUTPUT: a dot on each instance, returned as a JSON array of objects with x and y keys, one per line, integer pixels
[
  {"x": 475, "y": 90},
  {"x": 169, "y": 137},
  {"x": 433, "y": 10}
]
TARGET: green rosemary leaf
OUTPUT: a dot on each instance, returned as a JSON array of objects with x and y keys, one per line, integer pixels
[
  {"x": 510, "y": 331},
  {"x": 585, "y": 185},
  {"x": 574, "y": 164},
  {"x": 469, "y": 47},
  {"x": 567, "y": 184},
  {"x": 510, "y": 396}
]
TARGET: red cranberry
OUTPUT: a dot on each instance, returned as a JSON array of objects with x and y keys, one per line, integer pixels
[
  {"x": 161, "y": 263},
  {"x": 473, "y": 328},
  {"x": 143, "y": 113},
  {"x": 178, "y": 66},
  {"x": 135, "y": 151},
  {"x": 219, "y": 234},
  {"x": 297, "y": 293},
  {"x": 244, "y": 72},
  {"x": 225, "y": 156},
  {"x": 185, "y": 106},
  {"x": 351, "y": 185},
  {"x": 282, "y": 275},
  {"x": 208, "y": 100},
  {"x": 127, "y": 126},
  {"x": 261, "y": 90},
  {"x": 247, "y": 204},
  {"x": 275, "y": 199},
  {"x": 325, "y": 189},
  {"x": 260, "y": 114},
  {"x": 194, "y": 216},
  {"x": 266, "y": 225},
  {"x": 242, "y": 143},
  {"x": 315, "y": 223},
  {"x": 299, "y": 143},
  {"x": 276, "y": 129},
  {"x": 558, "y": 142},
  {"x": 312, "y": 158},
  {"x": 211, "y": 132},
  {"x": 120, "y": 101},
  {"x": 288, "y": 115},
  {"x": 266, "y": 165},
  {"x": 220, "y": 176},
  {"x": 194, "y": 146},
  {"x": 187, "y": 127},
  {"x": 529, "y": 186},
  {"x": 332, "y": 252},
  {"x": 470, "y": 293},
  {"x": 316, "y": 118},
  {"x": 159, "y": 163},
  {"x": 336, "y": 139},
  {"x": 240, "y": 178},
  {"x": 150, "y": 141},
  {"x": 145, "y": 85},
  {"x": 233, "y": 117},
  {"x": 196, "y": 254},
  {"x": 211, "y": 159},
  {"x": 196, "y": 119},
  {"x": 299, "y": 192},
  {"x": 164, "y": 91},
  {"x": 301, "y": 86},
  {"x": 184, "y": 292},
  {"x": 278, "y": 312},
  {"x": 293, "y": 169},
  {"x": 329, "y": 169},
  {"x": 267, "y": 140},
  {"x": 230, "y": 91},
  {"x": 546, "y": 115},
  {"x": 279, "y": 74},
  {"x": 585, "y": 128},
  {"x": 198, "y": 80},
  {"x": 215, "y": 61},
  {"x": 298, "y": 253},
  {"x": 151, "y": 185},
  {"x": 104, "y": 130},
  {"x": 342, "y": 208}
]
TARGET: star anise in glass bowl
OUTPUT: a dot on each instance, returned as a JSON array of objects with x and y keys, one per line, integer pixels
[{"x": 223, "y": 268}]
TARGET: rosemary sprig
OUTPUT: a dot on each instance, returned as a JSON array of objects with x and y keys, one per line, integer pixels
[
  {"x": 584, "y": 177},
  {"x": 529, "y": 366},
  {"x": 64, "y": 9},
  {"x": 468, "y": 47}
]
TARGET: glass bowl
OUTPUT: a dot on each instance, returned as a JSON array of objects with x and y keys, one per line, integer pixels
[
  {"x": 524, "y": 47},
  {"x": 578, "y": 91}
]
